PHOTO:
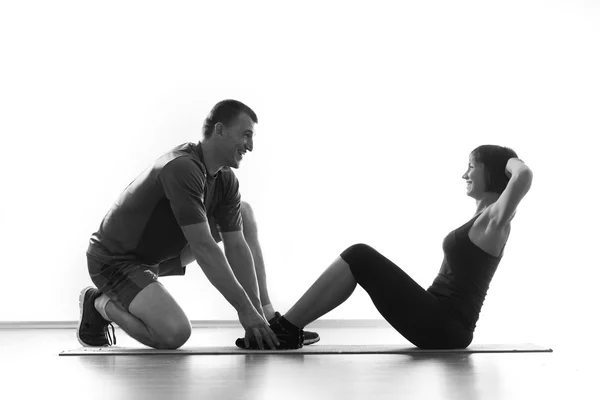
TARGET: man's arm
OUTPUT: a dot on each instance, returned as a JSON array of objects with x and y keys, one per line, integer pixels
[
  {"x": 184, "y": 185},
  {"x": 240, "y": 258},
  {"x": 242, "y": 263},
  {"x": 214, "y": 265}
]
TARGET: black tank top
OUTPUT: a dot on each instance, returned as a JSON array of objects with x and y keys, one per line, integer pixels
[{"x": 465, "y": 275}]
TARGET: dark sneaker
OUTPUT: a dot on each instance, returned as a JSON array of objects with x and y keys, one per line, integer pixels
[
  {"x": 309, "y": 337},
  {"x": 289, "y": 336},
  {"x": 93, "y": 328}
]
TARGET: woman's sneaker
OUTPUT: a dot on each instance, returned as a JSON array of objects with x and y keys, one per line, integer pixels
[
  {"x": 290, "y": 337},
  {"x": 93, "y": 328},
  {"x": 309, "y": 337}
]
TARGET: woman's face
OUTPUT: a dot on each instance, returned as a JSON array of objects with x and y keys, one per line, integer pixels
[{"x": 475, "y": 178}]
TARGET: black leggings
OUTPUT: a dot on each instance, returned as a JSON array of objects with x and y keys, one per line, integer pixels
[{"x": 418, "y": 315}]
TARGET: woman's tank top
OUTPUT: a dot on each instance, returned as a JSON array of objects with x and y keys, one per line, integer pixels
[{"x": 465, "y": 275}]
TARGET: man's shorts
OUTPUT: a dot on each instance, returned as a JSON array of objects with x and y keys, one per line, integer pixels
[{"x": 121, "y": 281}]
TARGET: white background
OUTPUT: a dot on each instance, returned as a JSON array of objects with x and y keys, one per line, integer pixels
[{"x": 367, "y": 115}]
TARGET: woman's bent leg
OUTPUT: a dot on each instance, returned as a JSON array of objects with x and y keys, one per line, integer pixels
[
  {"x": 415, "y": 313},
  {"x": 330, "y": 290}
]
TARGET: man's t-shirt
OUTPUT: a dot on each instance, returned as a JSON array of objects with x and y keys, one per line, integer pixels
[{"x": 144, "y": 225}]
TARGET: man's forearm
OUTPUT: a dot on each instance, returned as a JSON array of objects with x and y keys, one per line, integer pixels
[
  {"x": 219, "y": 273},
  {"x": 242, "y": 264}
]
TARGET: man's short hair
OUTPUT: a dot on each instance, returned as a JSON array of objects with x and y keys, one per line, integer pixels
[{"x": 225, "y": 112}]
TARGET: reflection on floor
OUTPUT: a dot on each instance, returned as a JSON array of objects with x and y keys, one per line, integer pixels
[{"x": 31, "y": 368}]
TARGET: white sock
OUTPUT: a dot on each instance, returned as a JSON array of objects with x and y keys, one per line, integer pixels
[{"x": 100, "y": 304}]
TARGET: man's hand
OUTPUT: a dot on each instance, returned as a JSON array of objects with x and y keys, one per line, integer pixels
[{"x": 257, "y": 327}]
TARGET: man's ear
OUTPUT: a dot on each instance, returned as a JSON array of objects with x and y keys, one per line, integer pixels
[{"x": 218, "y": 129}]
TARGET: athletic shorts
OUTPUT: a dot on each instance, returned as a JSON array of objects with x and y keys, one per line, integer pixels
[{"x": 121, "y": 281}]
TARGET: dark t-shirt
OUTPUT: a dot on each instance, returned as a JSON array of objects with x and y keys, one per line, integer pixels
[
  {"x": 144, "y": 224},
  {"x": 465, "y": 275}
]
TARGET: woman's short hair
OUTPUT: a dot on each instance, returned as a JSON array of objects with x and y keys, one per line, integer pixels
[{"x": 494, "y": 159}]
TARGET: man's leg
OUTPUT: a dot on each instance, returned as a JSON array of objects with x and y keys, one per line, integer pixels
[
  {"x": 135, "y": 300},
  {"x": 251, "y": 236},
  {"x": 154, "y": 318}
]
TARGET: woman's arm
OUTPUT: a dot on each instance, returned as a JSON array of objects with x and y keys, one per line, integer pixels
[
  {"x": 514, "y": 166},
  {"x": 503, "y": 210}
]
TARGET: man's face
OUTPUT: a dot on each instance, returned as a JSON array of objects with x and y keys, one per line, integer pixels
[{"x": 238, "y": 138}]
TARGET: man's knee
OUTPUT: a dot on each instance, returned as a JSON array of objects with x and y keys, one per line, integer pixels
[
  {"x": 166, "y": 323},
  {"x": 173, "y": 337},
  {"x": 247, "y": 211}
]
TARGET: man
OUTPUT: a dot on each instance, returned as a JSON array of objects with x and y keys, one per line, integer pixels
[{"x": 175, "y": 212}]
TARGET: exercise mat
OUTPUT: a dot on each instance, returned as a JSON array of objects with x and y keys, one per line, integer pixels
[{"x": 312, "y": 349}]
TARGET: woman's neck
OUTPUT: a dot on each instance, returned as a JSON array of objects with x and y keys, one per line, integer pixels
[{"x": 487, "y": 200}]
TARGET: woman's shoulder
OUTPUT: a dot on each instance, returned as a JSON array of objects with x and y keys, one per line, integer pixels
[{"x": 487, "y": 235}]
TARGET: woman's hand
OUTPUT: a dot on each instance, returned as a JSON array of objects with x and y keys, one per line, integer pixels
[{"x": 514, "y": 166}]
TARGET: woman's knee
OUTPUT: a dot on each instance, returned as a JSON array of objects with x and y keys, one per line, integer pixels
[{"x": 359, "y": 254}]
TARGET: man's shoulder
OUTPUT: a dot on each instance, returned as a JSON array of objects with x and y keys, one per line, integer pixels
[
  {"x": 227, "y": 176},
  {"x": 185, "y": 151},
  {"x": 181, "y": 159}
]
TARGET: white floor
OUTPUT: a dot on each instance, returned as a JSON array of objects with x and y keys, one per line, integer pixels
[{"x": 31, "y": 369}]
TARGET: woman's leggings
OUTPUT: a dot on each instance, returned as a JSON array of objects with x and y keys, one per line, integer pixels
[{"x": 418, "y": 315}]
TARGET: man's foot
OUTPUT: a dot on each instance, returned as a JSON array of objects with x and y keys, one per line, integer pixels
[
  {"x": 290, "y": 337},
  {"x": 309, "y": 337},
  {"x": 93, "y": 328}
]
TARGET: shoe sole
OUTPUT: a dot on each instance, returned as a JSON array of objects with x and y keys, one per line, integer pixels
[
  {"x": 311, "y": 341},
  {"x": 81, "y": 300}
]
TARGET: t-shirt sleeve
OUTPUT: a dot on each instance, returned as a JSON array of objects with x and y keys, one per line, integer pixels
[
  {"x": 184, "y": 184},
  {"x": 228, "y": 213}
]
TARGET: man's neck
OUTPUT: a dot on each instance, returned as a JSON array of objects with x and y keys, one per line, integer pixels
[{"x": 211, "y": 159}]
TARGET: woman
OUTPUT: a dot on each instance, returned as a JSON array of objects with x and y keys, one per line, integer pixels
[{"x": 444, "y": 315}]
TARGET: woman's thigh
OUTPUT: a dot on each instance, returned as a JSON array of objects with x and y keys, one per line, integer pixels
[{"x": 418, "y": 315}]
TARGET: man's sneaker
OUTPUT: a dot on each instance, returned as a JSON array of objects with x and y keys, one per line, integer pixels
[
  {"x": 93, "y": 328},
  {"x": 309, "y": 337},
  {"x": 289, "y": 336}
]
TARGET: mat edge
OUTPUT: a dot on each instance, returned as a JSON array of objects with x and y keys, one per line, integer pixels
[
  {"x": 414, "y": 351},
  {"x": 323, "y": 323}
]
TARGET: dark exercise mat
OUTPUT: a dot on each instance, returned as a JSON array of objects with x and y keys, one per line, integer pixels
[{"x": 312, "y": 349}]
